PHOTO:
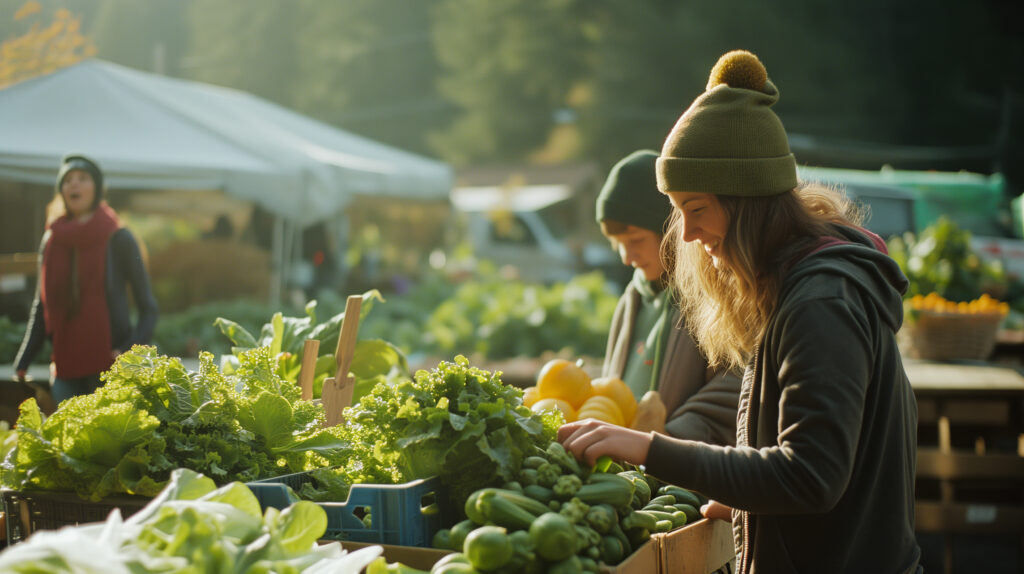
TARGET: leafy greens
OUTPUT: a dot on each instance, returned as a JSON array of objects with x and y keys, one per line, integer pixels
[
  {"x": 192, "y": 527},
  {"x": 153, "y": 416},
  {"x": 457, "y": 422}
]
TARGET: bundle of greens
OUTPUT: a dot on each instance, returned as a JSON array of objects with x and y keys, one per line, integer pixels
[
  {"x": 457, "y": 422},
  {"x": 192, "y": 527},
  {"x": 153, "y": 416},
  {"x": 373, "y": 361}
]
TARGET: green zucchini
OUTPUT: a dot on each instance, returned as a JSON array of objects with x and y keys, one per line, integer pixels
[{"x": 615, "y": 493}]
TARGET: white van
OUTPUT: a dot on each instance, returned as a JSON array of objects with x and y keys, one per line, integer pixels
[{"x": 538, "y": 230}]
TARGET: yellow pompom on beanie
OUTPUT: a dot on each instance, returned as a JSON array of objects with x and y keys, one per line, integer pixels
[{"x": 729, "y": 141}]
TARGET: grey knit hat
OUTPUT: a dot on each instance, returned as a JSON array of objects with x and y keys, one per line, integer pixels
[{"x": 78, "y": 161}]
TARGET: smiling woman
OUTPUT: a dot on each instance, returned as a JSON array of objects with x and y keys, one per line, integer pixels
[
  {"x": 778, "y": 276},
  {"x": 88, "y": 263},
  {"x": 701, "y": 218}
]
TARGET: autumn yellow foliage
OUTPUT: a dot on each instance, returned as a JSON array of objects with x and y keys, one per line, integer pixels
[{"x": 44, "y": 47}]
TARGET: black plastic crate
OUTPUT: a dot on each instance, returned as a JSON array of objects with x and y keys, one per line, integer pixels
[{"x": 29, "y": 511}]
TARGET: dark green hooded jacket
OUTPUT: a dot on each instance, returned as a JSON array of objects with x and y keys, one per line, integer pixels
[{"x": 823, "y": 471}]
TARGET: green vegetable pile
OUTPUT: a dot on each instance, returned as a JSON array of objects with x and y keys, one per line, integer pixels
[
  {"x": 496, "y": 318},
  {"x": 560, "y": 517},
  {"x": 457, "y": 422},
  {"x": 192, "y": 527},
  {"x": 501, "y": 319},
  {"x": 153, "y": 416}
]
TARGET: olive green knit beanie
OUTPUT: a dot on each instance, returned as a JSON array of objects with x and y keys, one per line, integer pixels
[
  {"x": 730, "y": 142},
  {"x": 630, "y": 194}
]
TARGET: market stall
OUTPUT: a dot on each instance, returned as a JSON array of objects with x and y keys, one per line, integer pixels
[
  {"x": 400, "y": 456},
  {"x": 173, "y": 144}
]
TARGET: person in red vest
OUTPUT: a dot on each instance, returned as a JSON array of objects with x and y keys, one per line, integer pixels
[{"x": 88, "y": 261}]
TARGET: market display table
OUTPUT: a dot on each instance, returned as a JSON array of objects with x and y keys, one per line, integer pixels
[
  {"x": 971, "y": 443},
  {"x": 984, "y": 399}
]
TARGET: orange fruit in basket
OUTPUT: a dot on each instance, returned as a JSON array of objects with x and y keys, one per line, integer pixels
[
  {"x": 563, "y": 379},
  {"x": 601, "y": 408},
  {"x": 530, "y": 396},
  {"x": 617, "y": 390},
  {"x": 548, "y": 404}
]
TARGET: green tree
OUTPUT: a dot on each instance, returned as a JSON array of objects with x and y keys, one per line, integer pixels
[
  {"x": 509, "y": 66},
  {"x": 148, "y": 36},
  {"x": 247, "y": 45},
  {"x": 369, "y": 66},
  {"x": 650, "y": 60}
]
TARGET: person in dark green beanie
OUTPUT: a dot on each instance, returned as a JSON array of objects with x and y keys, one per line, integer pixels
[
  {"x": 779, "y": 276},
  {"x": 648, "y": 349}
]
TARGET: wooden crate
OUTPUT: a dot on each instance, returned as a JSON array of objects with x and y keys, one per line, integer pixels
[
  {"x": 962, "y": 474},
  {"x": 700, "y": 548}
]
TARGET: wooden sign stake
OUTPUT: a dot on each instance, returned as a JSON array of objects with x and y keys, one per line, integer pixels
[
  {"x": 337, "y": 392},
  {"x": 310, "y": 349}
]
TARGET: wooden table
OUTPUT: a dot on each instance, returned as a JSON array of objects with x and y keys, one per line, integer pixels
[
  {"x": 970, "y": 422},
  {"x": 977, "y": 395}
]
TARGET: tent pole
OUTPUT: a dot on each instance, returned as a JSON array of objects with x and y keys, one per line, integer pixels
[
  {"x": 296, "y": 253},
  {"x": 287, "y": 260},
  {"x": 276, "y": 261}
]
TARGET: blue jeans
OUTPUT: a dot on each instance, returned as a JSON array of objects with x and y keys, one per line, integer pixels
[{"x": 63, "y": 389}]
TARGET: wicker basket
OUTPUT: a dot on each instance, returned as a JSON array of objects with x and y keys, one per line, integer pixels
[{"x": 946, "y": 336}]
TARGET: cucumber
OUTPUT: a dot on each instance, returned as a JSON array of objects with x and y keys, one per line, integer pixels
[
  {"x": 682, "y": 495},
  {"x": 692, "y": 514},
  {"x": 664, "y": 500}
]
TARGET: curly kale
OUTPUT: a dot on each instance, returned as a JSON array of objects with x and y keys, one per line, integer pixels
[{"x": 442, "y": 422}]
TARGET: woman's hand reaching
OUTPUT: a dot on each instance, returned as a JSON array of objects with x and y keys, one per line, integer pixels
[
  {"x": 715, "y": 509},
  {"x": 590, "y": 439}
]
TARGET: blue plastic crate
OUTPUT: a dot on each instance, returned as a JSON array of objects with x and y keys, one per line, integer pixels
[
  {"x": 271, "y": 491},
  {"x": 396, "y": 511}
]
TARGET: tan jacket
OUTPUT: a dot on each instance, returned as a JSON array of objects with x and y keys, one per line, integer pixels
[{"x": 701, "y": 402}]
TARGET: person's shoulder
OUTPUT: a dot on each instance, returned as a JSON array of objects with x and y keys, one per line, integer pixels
[
  {"x": 824, "y": 282},
  {"x": 123, "y": 244},
  {"x": 122, "y": 237}
]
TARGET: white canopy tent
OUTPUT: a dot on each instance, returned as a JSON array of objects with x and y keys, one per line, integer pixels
[{"x": 153, "y": 132}]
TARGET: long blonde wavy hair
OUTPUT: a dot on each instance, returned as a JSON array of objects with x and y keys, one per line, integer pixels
[{"x": 727, "y": 309}]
